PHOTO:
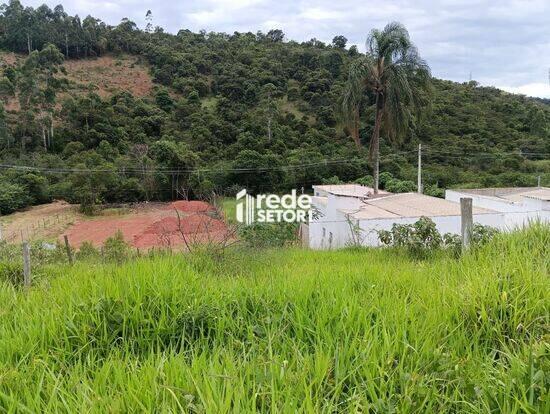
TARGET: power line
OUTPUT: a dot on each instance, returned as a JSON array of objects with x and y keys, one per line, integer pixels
[
  {"x": 178, "y": 171},
  {"x": 140, "y": 170}
]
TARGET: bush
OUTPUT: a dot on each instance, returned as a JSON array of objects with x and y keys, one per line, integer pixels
[
  {"x": 331, "y": 181},
  {"x": 269, "y": 234},
  {"x": 116, "y": 249},
  {"x": 419, "y": 238},
  {"x": 480, "y": 236},
  {"x": 46, "y": 253},
  {"x": 398, "y": 186},
  {"x": 367, "y": 181},
  {"x": 434, "y": 191},
  {"x": 12, "y": 197},
  {"x": 87, "y": 251},
  {"x": 422, "y": 238},
  {"x": 384, "y": 178}
]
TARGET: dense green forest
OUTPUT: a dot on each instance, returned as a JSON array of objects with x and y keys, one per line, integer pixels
[{"x": 227, "y": 111}]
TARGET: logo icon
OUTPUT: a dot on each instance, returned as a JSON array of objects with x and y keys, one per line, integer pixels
[
  {"x": 245, "y": 207},
  {"x": 272, "y": 208}
]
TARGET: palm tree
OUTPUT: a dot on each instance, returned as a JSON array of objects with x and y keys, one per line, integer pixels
[{"x": 397, "y": 82}]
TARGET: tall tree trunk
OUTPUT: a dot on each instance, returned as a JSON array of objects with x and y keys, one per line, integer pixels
[
  {"x": 374, "y": 150},
  {"x": 51, "y": 132},
  {"x": 44, "y": 139},
  {"x": 66, "y": 45},
  {"x": 269, "y": 129},
  {"x": 355, "y": 129},
  {"x": 29, "y": 46}
]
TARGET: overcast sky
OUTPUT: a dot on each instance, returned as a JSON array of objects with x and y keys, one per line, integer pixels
[{"x": 504, "y": 43}]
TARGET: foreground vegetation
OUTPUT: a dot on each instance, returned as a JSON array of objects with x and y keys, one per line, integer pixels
[{"x": 284, "y": 331}]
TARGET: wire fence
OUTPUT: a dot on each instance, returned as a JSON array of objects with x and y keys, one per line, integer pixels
[{"x": 35, "y": 229}]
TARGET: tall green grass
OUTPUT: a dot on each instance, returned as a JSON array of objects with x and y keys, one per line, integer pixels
[{"x": 285, "y": 330}]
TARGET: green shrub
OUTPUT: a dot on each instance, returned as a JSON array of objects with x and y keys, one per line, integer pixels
[
  {"x": 422, "y": 238},
  {"x": 269, "y": 234},
  {"x": 87, "y": 251},
  {"x": 384, "y": 178},
  {"x": 434, "y": 191},
  {"x": 46, "y": 253},
  {"x": 11, "y": 272},
  {"x": 12, "y": 197},
  {"x": 331, "y": 180},
  {"x": 367, "y": 181},
  {"x": 398, "y": 186},
  {"x": 116, "y": 249}
]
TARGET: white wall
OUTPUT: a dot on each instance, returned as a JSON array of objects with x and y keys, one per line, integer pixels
[
  {"x": 342, "y": 232},
  {"x": 333, "y": 229},
  {"x": 515, "y": 220},
  {"x": 444, "y": 224},
  {"x": 485, "y": 202},
  {"x": 330, "y": 230},
  {"x": 536, "y": 204},
  {"x": 516, "y": 215}
]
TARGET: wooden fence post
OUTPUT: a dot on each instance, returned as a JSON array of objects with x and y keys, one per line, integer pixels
[
  {"x": 26, "y": 264},
  {"x": 68, "y": 248},
  {"x": 467, "y": 222}
]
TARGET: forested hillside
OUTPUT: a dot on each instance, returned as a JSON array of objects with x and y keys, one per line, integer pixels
[{"x": 222, "y": 111}]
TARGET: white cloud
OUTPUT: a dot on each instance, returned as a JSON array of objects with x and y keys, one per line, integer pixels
[
  {"x": 317, "y": 13},
  {"x": 542, "y": 90}
]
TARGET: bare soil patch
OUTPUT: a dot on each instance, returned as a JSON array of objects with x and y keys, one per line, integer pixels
[
  {"x": 104, "y": 75},
  {"x": 40, "y": 222},
  {"x": 150, "y": 226},
  {"x": 107, "y": 75}
]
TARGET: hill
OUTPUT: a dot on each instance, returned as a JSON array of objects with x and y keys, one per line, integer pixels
[
  {"x": 104, "y": 75},
  {"x": 115, "y": 113},
  {"x": 283, "y": 331}
]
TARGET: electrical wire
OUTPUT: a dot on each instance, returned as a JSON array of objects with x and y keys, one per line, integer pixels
[{"x": 140, "y": 170}]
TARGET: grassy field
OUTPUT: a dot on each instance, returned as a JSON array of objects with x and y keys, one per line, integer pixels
[
  {"x": 285, "y": 331},
  {"x": 229, "y": 207}
]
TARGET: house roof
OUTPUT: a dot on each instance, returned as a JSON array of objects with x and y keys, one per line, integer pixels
[
  {"x": 320, "y": 200},
  {"x": 540, "y": 194},
  {"x": 511, "y": 194},
  {"x": 409, "y": 205},
  {"x": 349, "y": 190}
]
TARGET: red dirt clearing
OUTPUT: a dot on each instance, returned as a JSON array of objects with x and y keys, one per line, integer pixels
[
  {"x": 157, "y": 226},
  {"x": 192, "y": 206}
]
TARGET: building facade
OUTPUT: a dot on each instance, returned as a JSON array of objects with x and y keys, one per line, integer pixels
[{"x": 351, "y": 214}]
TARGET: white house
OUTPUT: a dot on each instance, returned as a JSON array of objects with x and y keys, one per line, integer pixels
[
  {"x": 345, "y": 214},
  {"x": 519, "y": 205}
]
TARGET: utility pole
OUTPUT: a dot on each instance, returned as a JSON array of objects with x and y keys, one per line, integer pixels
[
  {"x": 538, "y": 185},
  {"x": 419, "y": 184},
  {"x": 376, "y": 172}
]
